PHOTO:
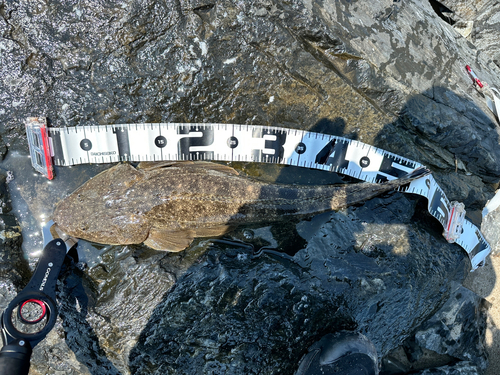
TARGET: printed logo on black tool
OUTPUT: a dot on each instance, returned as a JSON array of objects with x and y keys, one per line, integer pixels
[
  {"x": 300, "y": 148},
  {"x": 85, "y": 144},
  {"x": 232, "y": 142},
  {"x": 364, "y": 162},
  {"x": 160, "y": 141}
]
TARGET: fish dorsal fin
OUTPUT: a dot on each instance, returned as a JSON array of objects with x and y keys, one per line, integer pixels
[
  {"x": 215, "y": 167},
  {"x": 150, "y": 165}
]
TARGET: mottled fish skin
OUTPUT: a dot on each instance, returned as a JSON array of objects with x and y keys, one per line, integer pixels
[{"x": 166, "y": 206}]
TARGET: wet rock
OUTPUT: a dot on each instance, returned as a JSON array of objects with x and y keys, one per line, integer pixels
[
  {"x": 437, "y": 141},
  {"x": 233, "y": 314},
  {"x": 253, "y": 62},
  {"x": 3, "y": 149},
  {"x": 444, "y": 332},
  {"x": 5, "y": 202},
  {"x": 14, "y": 270},
  {"x": 100, "y": 322},
  {"x": 461, "y": 368}
]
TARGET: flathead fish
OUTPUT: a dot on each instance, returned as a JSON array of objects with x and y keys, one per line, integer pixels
[{"x": 166, "y": 205}]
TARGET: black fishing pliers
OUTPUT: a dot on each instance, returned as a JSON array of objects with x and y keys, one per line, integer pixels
[{"x": 32, "y": 313}]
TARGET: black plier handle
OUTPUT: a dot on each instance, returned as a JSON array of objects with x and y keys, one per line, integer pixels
[{"x": 32, "y": 313}]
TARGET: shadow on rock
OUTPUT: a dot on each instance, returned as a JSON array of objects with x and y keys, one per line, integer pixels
[
  {"x": 336, "y": 126},
  {"x": 459, "y": 142},
  {"x": 452, "y": 136},
  {"x": 79, "y": 335}
]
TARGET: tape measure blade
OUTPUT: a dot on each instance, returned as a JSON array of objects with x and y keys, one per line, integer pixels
[
  {"x": 120, "y": 131},
  {"x": 419, "y": 187},
  {"x": 164, "y": 143},
  {"x": 364, "y": 162},
  {"x": 75, "y": 144},
  {"x": 293, "y": 148},
  {"x": 223, "y": 143},
  {"x": 55, "y": 139},
  {"x": 472, "y": 240},
  {"x": 203, "y": 141},
  {"x": 103, "y": 145},
  {"x": 311, "y": 145},
  {"x": 142, "y": 139},
  {"x": 248, "y": 144}
]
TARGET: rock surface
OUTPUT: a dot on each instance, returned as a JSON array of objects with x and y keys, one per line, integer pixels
[
  {"x": 14, "y": 271},
  {"x": 443, "y": 333},
  {"x": 485, "y": 283},
  {"x": 388, "y": 73},
  {"x": 489, "y": 227},
  {"x": 459, "y": 369},
  {"x": 481, "y": 18},
  {"x": 233, "y": 314}
]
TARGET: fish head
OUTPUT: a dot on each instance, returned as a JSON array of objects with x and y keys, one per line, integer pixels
[{"x": 102, "y": 211}]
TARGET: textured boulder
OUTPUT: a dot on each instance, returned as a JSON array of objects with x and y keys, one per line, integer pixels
[
  {"x": 489, "y": 227},
  {"x": 479, "y": 20},
  {"x": 258, "y": 62},
  {"x": 462, "y": 368},
  {"x": 443, "y": 333},
  {"x": 14, "y": 271}
]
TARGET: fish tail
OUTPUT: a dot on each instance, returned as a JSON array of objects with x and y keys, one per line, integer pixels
[{"x": 413, "y": 175}]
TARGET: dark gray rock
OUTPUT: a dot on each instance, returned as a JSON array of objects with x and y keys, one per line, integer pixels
[
  {"x": 250, "y": 62},
  {"x": 14, "y": 270},
  {"x": 444, "y": 332},
  {"x": 461, "y": 368},
  {"x": 103, "y": 312},
  {"x": 489, "y": 227},
  {"x": 427, "y": 131},
  {"x": 3, "y": 149},
  {"x": 450, "y": 341},
  {"x": 481, "y": 20},
  {"x": 233, "y": 314},
  {"x": 485, "y": 33}
]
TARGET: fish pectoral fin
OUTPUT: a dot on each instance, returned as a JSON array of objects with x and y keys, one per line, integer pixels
[{"x": 169, "y": 240}]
